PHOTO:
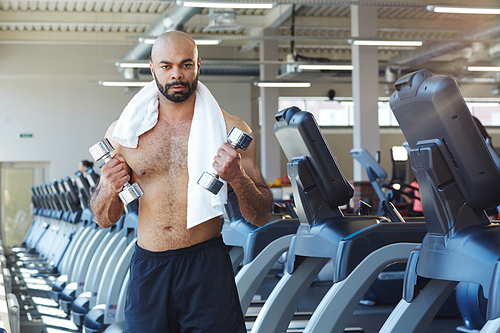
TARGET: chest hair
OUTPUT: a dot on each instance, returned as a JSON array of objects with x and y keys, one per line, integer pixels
[{"x": 163, "y": 151}]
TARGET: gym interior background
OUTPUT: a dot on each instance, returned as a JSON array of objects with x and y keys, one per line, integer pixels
[{"x": 54, "y": 56}]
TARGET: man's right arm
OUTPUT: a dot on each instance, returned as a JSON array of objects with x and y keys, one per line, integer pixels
[{"x": 105, "y": 203}]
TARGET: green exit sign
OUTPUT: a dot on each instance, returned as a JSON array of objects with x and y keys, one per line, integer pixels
[{"x": 26, "y": 135}]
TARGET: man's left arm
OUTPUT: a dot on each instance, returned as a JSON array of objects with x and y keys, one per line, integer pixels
[{"x": 240, "y": 170}]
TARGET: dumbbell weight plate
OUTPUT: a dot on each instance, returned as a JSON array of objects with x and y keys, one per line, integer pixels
[
  {"x": 211, "y": 182},
  {"x": 102, "y": 149},
  {"x": 239, "y": 139},
  {"x": 130, "y": 193}
]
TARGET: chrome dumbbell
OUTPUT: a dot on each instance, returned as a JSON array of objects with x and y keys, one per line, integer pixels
[
  {"x": 238, "y": 139},
  {"x": 102, "y": 150}
]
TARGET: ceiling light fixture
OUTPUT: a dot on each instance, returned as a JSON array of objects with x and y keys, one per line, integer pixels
[
  {"x": 483, "y": 68},
  {"x": 207, "y": 41},
  {"x": 483, "y": 80},
  {"x": 132, "y": 64},
  {"x": 152, "y": 40},
  {"x": 463, "y": 10},
  {"x": 485, "y": 105},
  {"x": 327, "y": 67},
  {"x": 147, "y": 40},
  {"x": 229, "y": 4},
  {"x": 123, "y": 83},
  {"x": 268, "y": 84},
  {"x": 379, "y": 42}
]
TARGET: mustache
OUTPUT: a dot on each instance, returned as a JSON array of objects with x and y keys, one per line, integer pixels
[{"x": 176, "y": 83}]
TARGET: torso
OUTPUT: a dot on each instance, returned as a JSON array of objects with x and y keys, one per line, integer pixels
[{"x": 159, "y": 165}]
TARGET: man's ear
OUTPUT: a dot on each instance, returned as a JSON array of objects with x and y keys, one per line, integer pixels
[{"x": 151, "y": 67}]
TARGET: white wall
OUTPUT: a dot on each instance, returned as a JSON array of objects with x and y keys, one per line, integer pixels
[
  {"x": 233, "y": 97},
  {"x": 53, "y": 93}
]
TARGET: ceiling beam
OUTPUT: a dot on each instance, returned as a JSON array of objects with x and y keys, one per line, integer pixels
[
  {"x": 274, "y": 18},
  {"x": 132, "y": 18}
]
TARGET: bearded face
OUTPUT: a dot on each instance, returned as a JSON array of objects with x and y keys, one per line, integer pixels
[{"x": 174, "y": 95}]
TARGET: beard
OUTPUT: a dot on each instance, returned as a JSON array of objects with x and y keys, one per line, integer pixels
[{"x": 178, "y": 97}]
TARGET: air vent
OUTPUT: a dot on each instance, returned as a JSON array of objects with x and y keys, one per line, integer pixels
[{"x": 221, "y": 20}]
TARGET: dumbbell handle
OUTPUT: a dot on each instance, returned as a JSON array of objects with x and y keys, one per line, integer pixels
[{"x": 107, "y": 158}]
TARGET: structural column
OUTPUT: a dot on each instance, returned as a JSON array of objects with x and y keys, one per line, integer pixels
[
  {"x": 364, "y": 84},
  {"x": 269, "y": 147}
]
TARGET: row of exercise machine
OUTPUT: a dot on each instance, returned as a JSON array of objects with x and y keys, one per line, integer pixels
[{"x": 87, "y": 266}]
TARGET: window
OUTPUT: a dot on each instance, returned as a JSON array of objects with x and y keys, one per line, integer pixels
[
  {"x": 340, "y": 112},
  {"x": 326, "y": 112},
  {"x": 487, "y": 113},
  {"x": 385, "y": 115}
]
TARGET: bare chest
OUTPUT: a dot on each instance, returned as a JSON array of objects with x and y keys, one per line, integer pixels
[{"x": 162, "y": 151}]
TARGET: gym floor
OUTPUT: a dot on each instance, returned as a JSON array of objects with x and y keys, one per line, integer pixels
[
  {"x": 369, "y": 318},
  {"x": 40, "y": 314}
]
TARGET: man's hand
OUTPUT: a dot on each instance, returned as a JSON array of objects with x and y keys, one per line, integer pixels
[
  {"x": 227, "y": 163},
  {"x": 114, "y": 174}
]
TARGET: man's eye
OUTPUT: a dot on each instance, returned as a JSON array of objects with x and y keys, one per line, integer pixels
[{"x": 188, "y": 65}]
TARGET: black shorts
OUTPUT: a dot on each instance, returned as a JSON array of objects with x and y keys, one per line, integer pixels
[{"x": 185, "y": 290}]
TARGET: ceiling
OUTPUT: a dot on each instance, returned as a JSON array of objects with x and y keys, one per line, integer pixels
[{"x": 321, "y": 30}]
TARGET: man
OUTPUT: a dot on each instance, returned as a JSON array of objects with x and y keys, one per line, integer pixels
[{"x": 181, "y": 278}]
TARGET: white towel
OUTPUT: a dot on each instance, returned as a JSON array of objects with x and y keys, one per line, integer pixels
[
  {"x": 208, "y": 133},
  {"x": 139, "y": 116}
]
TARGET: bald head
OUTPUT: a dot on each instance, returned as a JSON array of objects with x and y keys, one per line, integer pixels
[
  {"x": 173, "y": 39},
  {"x": 175, "y": 65}
]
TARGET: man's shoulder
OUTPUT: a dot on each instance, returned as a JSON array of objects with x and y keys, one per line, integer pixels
[
  {"x": 109, "y": 135},
  {"x": 234, "y": 121},
  {"x": 111, "y": 128}
]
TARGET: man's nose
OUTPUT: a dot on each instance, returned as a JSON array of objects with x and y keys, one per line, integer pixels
[{"x": 176, "y": 74}]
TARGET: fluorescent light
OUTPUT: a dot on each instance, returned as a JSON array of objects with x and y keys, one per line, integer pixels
[
  {"x": 132, "y": 64},
  {"x": 328, "y": 67},
  {"x": 282, "y": 84},
  {"x": 152, "y": 40},
  {"x": 479, "y": 104},
  {"x": 207, "y": 41},
  {"x": 463, "y": 10},
  {"x": 147, "y": 40},
  {"x": 236, "y": 5},
  {"x": 373, "y": 42},
  {"x": 482, "y": 99},
  {"x": 483, "y": 68},
  {"x": 123, "y": 83},
  {"x": 483, "y": 80}
]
